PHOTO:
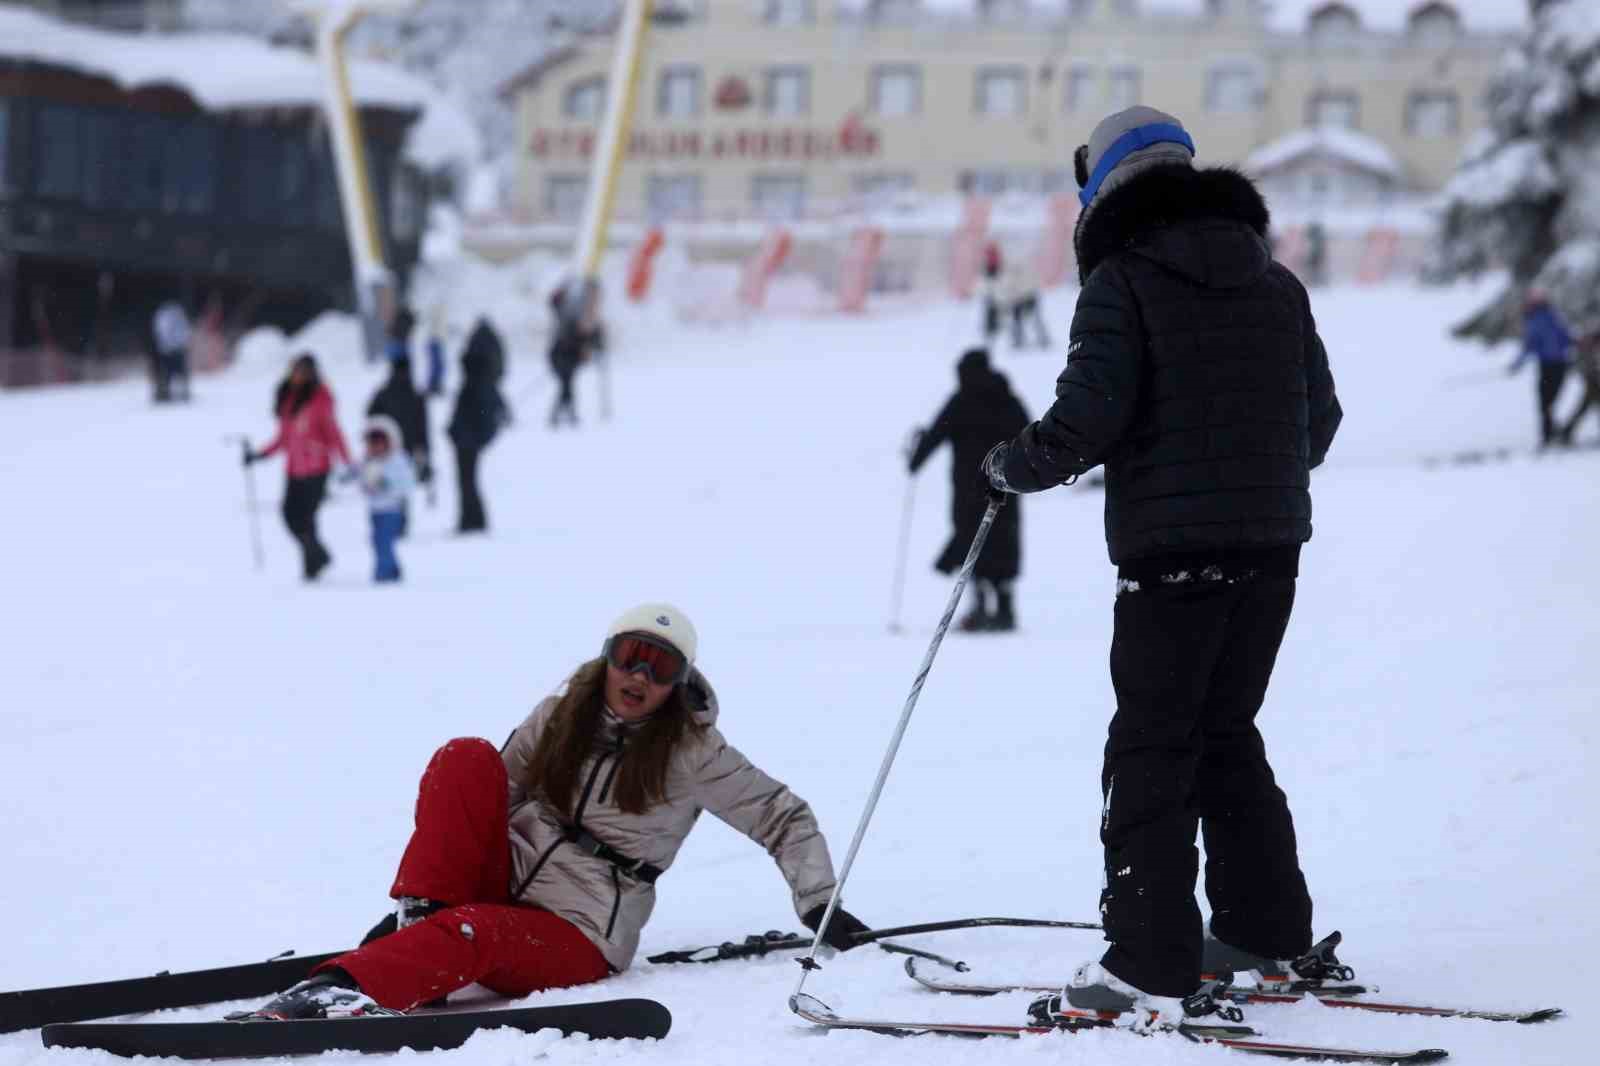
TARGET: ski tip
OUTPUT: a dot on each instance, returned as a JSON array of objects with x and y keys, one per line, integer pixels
[
  {"x": 1540, "y": 1015},
  {"x": 1427, "y": 1054}
]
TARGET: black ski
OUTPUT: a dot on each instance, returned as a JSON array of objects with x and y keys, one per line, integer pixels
[
  {"x": 31, "y": 1008},
  {"x": 1234, "y": 1037},
  {"x": 611, "y": 1019}
]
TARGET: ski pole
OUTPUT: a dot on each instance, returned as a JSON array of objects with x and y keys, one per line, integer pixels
[
  {"x": 809, "y": 962},
  {"x": 250, "y": 502},
  {"x": 898, "y": 590}
]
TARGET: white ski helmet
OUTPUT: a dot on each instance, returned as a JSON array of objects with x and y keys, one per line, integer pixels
[
  {"x": 385, "y": 425},
  {"x": 660, "y": 620}
]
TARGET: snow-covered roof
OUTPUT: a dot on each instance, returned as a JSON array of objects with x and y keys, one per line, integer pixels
[
  {"x": 1335, "y": 142},
  {"x": 227, "y": 72}
]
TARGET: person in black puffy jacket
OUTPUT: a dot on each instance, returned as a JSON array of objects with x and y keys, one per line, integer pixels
[
  {"x": 480, "y": 412},
  {"x": 1196, "y": 377},
  {"x": 983, "y": 411}
]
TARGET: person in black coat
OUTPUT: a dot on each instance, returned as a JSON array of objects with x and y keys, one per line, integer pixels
[
  {"x": 1196, "y": 376},
  {"x": 576, "y": 334},
  {"x": 400, "y": 400},
  {"x": 982, "y": 412},
  {"x": 480, "y": 412}
]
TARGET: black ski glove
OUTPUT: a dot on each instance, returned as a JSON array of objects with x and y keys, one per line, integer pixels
[
  {"x": 249, "y": 456},
  {"x": 840, "y": 934}
]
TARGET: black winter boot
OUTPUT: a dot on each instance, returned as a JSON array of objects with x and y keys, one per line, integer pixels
[
  {"x": 977, "y": 620},
  {"x": 1004, "y": 619}
]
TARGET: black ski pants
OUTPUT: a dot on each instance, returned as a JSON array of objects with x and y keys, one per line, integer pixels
[
  {"x": 1551, "y": 378},
  {"x": 1190, "y": 661},
  {"x": 301, "y": 498},
  {"x": 473, "y": 518}
]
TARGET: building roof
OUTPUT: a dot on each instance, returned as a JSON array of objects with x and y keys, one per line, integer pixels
[
  {"x": 225, "y": 72},
  {"x": 530, "y": 74},
  {"x": 1345, "y": 145},
  {"x": 1291, "y": 16}
]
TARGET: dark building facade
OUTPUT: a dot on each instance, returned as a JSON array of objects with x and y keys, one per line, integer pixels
[{"x": 113, "y": 200}]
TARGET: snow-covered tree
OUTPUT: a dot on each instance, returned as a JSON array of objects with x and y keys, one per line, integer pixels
[{"x": 1526, "y": 198}]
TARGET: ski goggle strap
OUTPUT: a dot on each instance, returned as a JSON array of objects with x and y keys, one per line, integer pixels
[
  {"x": 660, "y": 661},
  {"x": 1130, "y": 142}
]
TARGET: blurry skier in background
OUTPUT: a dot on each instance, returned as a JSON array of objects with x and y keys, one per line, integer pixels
[
  {"x": 387, "y": 478},
  {"x": 436, "y": 332},
  {"x": 171, "y": 331},
  {"x": 1546, "y": 341},
  {"x": 576, "y": 335},
  {"x": 479, "y": 414},
  {"x": 399, "y": 400},
  {"x": 1588, "y": 363},
  {"x": 982, "y": 412},
  {"x": 308, "y": 435},
  {"x": 989, "y": 289},
  {"x": 1020, "y": 295}
]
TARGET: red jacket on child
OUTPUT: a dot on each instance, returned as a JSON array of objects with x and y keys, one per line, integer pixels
[{"x": 310, "y": 437}]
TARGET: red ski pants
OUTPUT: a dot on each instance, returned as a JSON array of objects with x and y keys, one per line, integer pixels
[{"x": 460, "y": 854}]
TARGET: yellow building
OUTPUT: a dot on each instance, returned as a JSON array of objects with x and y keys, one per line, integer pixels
[{"x": 808, "y": 108}]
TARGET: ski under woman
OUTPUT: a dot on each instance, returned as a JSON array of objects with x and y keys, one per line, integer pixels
[{"x": 535, "y": 866}]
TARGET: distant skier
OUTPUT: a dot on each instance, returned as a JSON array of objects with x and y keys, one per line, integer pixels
[
  {"x": 479, "y": 414},
  {"x": 1546, "y": 341},
  {"x": 1196, "y": 376},
  {"x": 523, "y": 874},
  {"x": 1021, "y": 299},
  {"x": 387, "y": 478},
  {"x": 983, "y": 411},
  {"x": 989, "y": 288},
  {"x": 308, "y": 435},
  {"x": 172, "y": 334},
  {"x": 576, "y": 334},
  {"x": 436, "y": 332},
  {"x": 398, "y": 399}
]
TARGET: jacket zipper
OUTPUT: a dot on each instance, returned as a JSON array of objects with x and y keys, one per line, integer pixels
[
  {"x": 578, "y": 820},
  {"x": 616, "y": 901},
  {"x": 612, "y": 776}
]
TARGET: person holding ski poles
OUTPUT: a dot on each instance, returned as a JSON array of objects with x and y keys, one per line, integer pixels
[
  {"x": 309, "y": 437},
  {"x": 1546, "y": 341},
  {"x": 982, "y": 411},
  {"x": 535, "y": 866},
  {"x": 1196, "y": 376}
]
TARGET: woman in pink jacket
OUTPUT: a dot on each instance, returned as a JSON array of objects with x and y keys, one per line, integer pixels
[{"x": 309, "y": 437}]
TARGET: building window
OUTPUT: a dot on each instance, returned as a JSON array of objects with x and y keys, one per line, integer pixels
[
  {"x": 896, "y": 90},
  {"x": 894, "y": 10},
  {"x": 1334, "y": 25},
  {"x": 883, "y": 187},
  {"x": 1433, "y": 113},
  {"x": 57, "y": 152},
  {"x": 789, "y": 12},
  {"x": 1434, "y": 25},
  {"x": 1080, "y": 88},
  {"x": 1123, "y": 88},
  {"x": 585, "y": 100},
  {"x": 787, "y": 92},
  {"x": 678, "y": 92},
  {"x": 1001, "y": 91},
  {"x": 564, "y": 195},
  {"x": 778, "y": 196},
  {"x": 5, "y": 133},
  {"x": 673, "y": 196},
  {"x": 1233, "y": 88},
  {"x": 1342, "y": 109},
  {"x": 1003, "y": 10}
]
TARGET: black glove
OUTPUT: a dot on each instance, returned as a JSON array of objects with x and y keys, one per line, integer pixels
[
  {"x": 909, "y": 450},
  {"x": 249, "y": 456},
  {"x": 840, "y": 934},
  {"x": 424, "y": 470},
  {"x": 992, "y": 472}
]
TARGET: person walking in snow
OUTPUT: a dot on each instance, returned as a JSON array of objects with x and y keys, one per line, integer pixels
[
  {"x": 309, "y": 437},
  {"x": 1021, "y": 296},
  {"x": 535, "y": 866},
  {"x": 1546, "y": 341},
  {"x": 989, "y": 288},
  {"x": 436, "y": 331},
  {"x": 1196, "y": 376},
  {"x": 576, "y": 335},
  {"x": 387, "y": 478},
  {"x": 171, "y": 333},
  {"x": 983, "y": 411},
  {"x": 1588, "y": 363},
  {"x": 479, "y": 414},
  {"x": 399, "y": 400}
]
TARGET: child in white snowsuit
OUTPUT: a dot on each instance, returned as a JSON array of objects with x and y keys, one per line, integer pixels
[{"x": 387, "y": 478}]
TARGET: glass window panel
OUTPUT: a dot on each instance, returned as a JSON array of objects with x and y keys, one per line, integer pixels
[
  {"x": 1080, "y": 88},
  {"x": 1123, "y": 89},
  {"x": 1433, "y": 114},
  {"x": 896, "y": 91},
  {"x": 788, "y": 12},
  {"x": 673, "y": 196},
  {"x": 1001, "y": 92},
  {"x": 788, "y": 91},
  {"x": 58, "y": 152},
  {"x": 1232, "y": 89},
  {"x": 5, "y": 136},
  {"x": 779, "y": 196},
  {"x": 678, "y": 92},
  {"x": 586, "y": 100},
  {"x": 564, "y": 195}
]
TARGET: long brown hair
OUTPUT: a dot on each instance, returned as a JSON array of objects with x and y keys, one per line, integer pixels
[{"x": 571, "y": 734}]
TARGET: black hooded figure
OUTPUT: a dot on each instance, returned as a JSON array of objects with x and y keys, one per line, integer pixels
[
  {"x": 400, "y": 400},
  {"x": 480, "y": 412},
  {"x": 983, "y": 412}
]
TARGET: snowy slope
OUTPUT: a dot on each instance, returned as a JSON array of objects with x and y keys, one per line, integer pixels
[{"x": 207, "y": 765}]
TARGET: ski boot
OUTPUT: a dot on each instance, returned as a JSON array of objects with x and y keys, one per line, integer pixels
[
  {"x": 1097, "y": 998},
  {"x": 330, "y": 994},
  {"x": 1319, "y": 969}
]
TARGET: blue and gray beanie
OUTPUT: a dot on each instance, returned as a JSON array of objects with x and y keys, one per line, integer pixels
[{"x": 1126, "y": 143}]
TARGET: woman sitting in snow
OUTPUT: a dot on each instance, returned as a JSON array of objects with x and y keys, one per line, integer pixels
[{"x": 535, "y": 867}]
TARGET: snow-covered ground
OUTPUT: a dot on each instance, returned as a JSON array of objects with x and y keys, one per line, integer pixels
[{"x": 204, "y": 764}]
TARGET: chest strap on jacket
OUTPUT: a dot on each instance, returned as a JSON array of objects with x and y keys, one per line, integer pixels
[{"x": 634, "y": 868}]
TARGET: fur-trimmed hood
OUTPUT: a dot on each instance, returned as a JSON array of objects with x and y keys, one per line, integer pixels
[{"x": 1207, "y": 224}]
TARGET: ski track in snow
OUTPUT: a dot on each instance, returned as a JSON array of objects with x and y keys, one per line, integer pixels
[{"x": 206, "y": 765}]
